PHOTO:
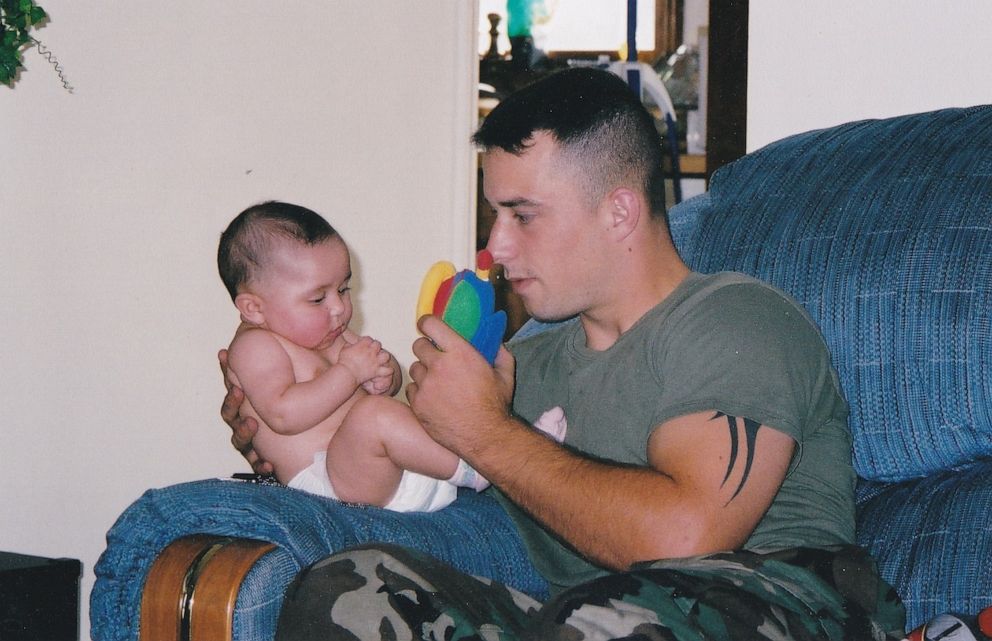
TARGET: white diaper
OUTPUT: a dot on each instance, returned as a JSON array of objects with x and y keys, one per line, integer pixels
[{"x": 416, "y": 492}]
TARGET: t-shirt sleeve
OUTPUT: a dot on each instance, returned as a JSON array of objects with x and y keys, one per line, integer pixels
[{"x": 745, "y": 350}]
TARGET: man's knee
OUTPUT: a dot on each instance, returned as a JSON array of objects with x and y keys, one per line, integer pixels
[
  {"x": 350, "y": 595},
  {"x": 609, "y": 607}
]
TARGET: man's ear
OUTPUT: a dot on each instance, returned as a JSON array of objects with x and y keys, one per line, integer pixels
[
  {"x": 250, "y": 307},
  {"x": 625, "y": 211}
]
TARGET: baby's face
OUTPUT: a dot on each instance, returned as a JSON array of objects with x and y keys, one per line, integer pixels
[{"x": 305, "y": 292}]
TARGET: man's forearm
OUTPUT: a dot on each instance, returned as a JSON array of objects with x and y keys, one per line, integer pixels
[{"x": 613, "y": 515}]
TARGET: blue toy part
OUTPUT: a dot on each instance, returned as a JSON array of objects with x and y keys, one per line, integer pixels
[
  {"x": 466, "y": 302},
  {"x": 470, "y": 311},
  {"x": 489, "y": 336}
]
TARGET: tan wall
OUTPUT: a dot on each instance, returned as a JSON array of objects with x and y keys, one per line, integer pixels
[{"x": 112, "y": 200}]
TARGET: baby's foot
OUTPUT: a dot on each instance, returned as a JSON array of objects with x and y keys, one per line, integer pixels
[
  {"x": 466, "y": 476},
  {"x": 553, "y": 423}
]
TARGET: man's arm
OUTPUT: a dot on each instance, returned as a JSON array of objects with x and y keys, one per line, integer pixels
[
  {"x": 705, "y": 491},
  {"x": 243, "y": 428},
  {"x": 698, "y": 496}
]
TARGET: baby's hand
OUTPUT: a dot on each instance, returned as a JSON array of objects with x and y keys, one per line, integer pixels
[
  {"x": 383, "y": 379},
  {"x": 363, "y": 359}
]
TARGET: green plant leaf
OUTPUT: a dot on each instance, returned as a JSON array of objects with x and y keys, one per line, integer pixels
[
  {"x": 7, "y": 72},
  {"x": 10, "y": 55},
  {"x": 17, "y": 17}
]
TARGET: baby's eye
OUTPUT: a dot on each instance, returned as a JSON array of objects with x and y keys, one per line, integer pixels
[
  {"x": 318, "y": 300},
  {"x": 344, "y": 290}
]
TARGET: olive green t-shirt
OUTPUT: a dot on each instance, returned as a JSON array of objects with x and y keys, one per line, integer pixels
[{"x": 723, "y": 342}]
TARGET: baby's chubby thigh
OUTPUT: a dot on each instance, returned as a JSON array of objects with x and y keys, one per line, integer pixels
[{"x": 358, "y": 461}]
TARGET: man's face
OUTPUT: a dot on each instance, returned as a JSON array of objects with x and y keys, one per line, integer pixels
[{"x": 547, "y": 234}]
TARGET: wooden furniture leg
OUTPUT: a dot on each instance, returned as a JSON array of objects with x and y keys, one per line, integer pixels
[{"x": 193, "y": 585}]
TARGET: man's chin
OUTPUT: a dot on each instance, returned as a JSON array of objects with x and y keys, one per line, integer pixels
[
  {"x": 544, "y": 310},
  {"x": 549, "y": 316}
]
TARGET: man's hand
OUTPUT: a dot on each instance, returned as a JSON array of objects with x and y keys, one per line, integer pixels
[
  {"x": 243, "y": 427},
  {"x": 455, "y": 393}
]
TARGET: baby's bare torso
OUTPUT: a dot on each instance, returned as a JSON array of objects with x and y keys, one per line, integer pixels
[{"x": 289, "y": 454}]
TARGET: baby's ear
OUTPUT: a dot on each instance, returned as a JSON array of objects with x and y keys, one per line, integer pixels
[{"x": 250, "y": 307}]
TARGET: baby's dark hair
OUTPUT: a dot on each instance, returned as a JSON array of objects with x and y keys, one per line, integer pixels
[{"x": 247, "y": 241}]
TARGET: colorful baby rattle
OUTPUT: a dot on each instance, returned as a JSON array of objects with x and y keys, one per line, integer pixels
[{"x": 466, "y": 302}]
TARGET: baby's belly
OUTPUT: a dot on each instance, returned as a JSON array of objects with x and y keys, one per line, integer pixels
[{"x": 291, "y": 454}]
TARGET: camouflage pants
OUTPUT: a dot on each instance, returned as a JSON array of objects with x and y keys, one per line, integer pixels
[{"x": 392, "y": 593}]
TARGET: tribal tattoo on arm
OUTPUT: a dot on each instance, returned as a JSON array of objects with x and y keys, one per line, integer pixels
[{"x": 750, "y": 435}]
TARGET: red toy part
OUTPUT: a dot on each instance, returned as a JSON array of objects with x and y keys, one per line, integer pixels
[
  {"x": 442, "y": 296},
  {"x": 484, "y": 260}
]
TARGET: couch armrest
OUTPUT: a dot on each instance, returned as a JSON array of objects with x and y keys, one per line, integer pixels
[
  {"x": 193, "y": 585},
  {"x": 473, "y": 534}
]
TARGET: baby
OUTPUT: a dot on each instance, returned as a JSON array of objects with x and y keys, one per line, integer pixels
[{"x": 322, "y": 394}]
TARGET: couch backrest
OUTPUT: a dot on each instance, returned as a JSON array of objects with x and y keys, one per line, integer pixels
[{"x": 882, "y": 229}]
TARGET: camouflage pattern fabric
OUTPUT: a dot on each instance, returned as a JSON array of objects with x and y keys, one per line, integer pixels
[{"x": 391, "y": 593}]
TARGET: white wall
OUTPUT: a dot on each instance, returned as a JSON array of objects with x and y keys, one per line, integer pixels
[
  {"x": 112, "y": 200},
  {"x": 816, "y": 64}
]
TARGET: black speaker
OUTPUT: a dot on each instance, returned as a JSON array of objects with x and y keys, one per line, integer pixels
[{"x": 39, "y": 598}]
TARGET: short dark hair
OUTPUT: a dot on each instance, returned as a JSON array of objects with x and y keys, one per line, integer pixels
[
  {"x": 596, "y": 119},
  {"x": 246, "y": 242}
]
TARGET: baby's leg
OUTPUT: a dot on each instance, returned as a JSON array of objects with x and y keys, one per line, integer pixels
[
  {"x": 378, "y": 439},
  {"x": 357, "y": 465}
]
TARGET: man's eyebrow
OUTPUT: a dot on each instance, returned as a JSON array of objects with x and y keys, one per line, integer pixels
[{"x": 517, "y": 202}]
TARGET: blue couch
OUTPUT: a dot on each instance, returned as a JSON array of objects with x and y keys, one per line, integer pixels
[{"x": 882, "y": 229}]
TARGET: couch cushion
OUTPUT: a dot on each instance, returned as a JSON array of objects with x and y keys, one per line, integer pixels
[
  {"x": 882, "y": 229},
  {"x": 932, "y": 539}
]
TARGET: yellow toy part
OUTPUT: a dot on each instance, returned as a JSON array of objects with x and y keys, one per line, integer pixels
[{"x": 437, "y": 274}]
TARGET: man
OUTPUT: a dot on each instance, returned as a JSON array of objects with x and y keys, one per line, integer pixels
[{"x": 704, "y": 488}]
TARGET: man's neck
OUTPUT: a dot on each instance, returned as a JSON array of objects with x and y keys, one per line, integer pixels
[{"x": 603, "y": 326}]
